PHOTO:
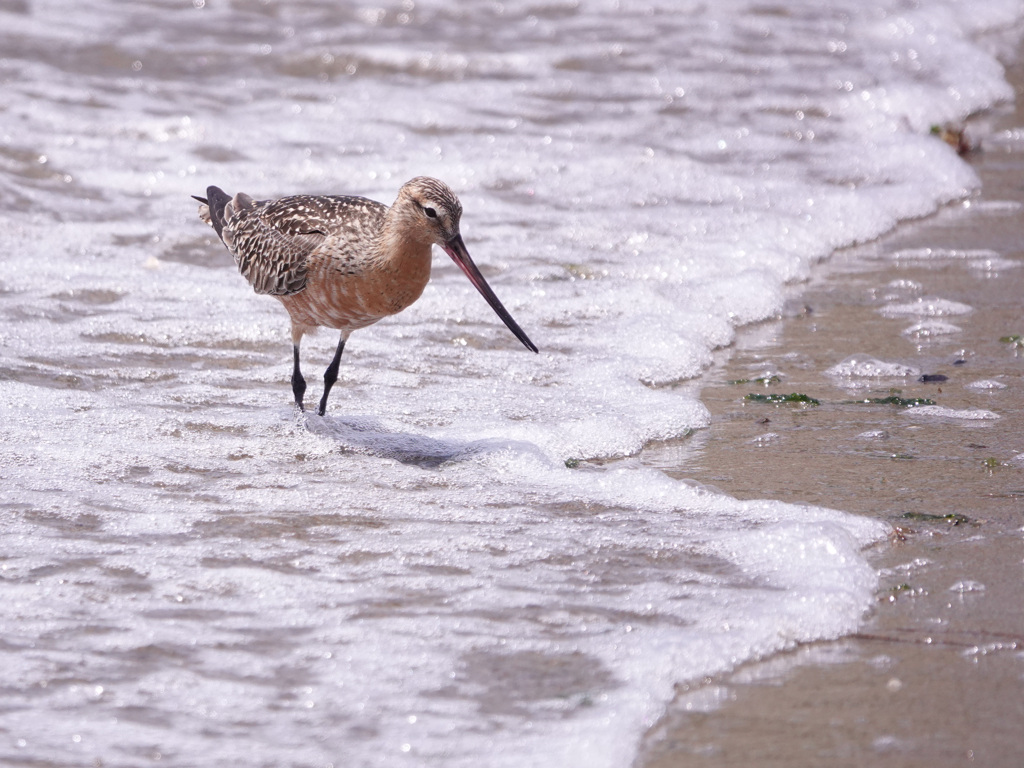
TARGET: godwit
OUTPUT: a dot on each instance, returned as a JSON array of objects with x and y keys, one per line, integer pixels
[{"x": 343, "y": 262}]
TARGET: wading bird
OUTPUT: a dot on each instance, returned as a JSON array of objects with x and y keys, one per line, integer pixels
[{"x": 344, "y": 262}]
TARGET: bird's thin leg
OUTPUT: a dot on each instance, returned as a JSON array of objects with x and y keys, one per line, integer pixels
[
  {"x": 331, "y": 375},
  {"x": 298, "y": 383}
]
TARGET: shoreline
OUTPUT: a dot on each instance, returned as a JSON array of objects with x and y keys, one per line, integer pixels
[{"x": 934, "y": 677}]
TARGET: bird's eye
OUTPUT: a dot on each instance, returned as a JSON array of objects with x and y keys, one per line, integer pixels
[{"x": 431, "y": 213}]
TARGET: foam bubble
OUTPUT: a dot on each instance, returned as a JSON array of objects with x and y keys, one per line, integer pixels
[
  {"x": 965, "y": 414},
  {"x": 927, "y": 307},
  {"x": 927, "y": 254},
  {"x": 928, "y": 329},
  {"x": 986, "y": 385},
  {"x": 861, "y": 366}
]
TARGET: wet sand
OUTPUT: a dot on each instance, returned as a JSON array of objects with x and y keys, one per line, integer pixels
[{"x": 936, "y": 676}]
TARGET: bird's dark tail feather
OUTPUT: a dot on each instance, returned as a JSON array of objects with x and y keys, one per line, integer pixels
[{"x": 216, "y": 198}]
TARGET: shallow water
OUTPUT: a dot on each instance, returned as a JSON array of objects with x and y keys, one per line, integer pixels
[{"x": 436, "y": 570}]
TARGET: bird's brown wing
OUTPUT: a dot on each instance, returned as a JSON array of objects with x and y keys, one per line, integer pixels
[{"x": 272, "y": 240}]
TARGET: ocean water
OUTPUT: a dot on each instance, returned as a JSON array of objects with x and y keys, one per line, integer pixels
[{"x": 463, "y": 563}]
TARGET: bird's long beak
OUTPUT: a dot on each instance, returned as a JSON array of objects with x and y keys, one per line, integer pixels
[{"x": 457, "y": 250}]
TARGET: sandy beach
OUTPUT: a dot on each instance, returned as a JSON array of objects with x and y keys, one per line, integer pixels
[{"x": 936, "y": 675}]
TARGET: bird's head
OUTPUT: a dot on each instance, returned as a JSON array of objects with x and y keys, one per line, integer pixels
[{"x": 430, "y": 208}]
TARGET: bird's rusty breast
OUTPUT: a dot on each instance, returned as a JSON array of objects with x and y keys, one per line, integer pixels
[{"x": 390, "y": 269}]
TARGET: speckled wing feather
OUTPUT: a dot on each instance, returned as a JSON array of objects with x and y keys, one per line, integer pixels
[{"x": 273, "y": 240}]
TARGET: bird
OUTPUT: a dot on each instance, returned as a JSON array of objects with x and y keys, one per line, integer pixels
[{"x": 343, "y": 261}]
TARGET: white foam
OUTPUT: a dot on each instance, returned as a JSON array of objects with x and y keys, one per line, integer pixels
[
  {"x": 984, "y": 260},
  {"x": 862, "y": 366},
  {"x": 927, "y": 307},
  {"x": 967, "y": 585},
  {"x": 904, "y": 285},
  {"x": 928, "y": 253},
  {"x": 986, "y": 385},
  {"x": 965, "y": 414},
  {"x": 874, "y": 434},
  {"x": 928, "y": 329}
]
